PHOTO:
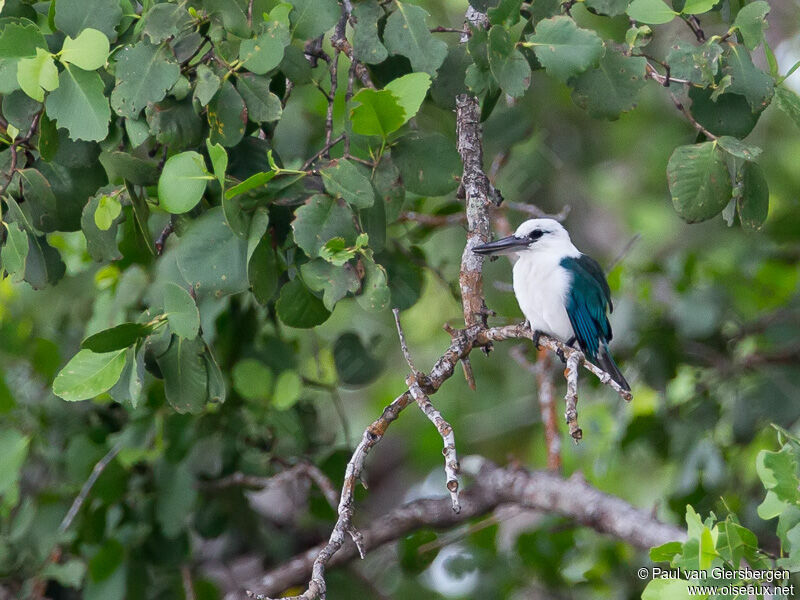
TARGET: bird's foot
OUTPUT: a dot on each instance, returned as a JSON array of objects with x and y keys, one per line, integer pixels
[
  {"x": 536, "y": 336},
  {"x": 560, "y": 354}
]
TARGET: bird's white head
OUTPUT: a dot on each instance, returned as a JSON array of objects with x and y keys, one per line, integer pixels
[{"x": 532, "y": 236}]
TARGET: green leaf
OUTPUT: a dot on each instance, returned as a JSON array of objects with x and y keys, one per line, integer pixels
[
  {"x": 44, "y": 265},
  {"x": 354, "y": 363},
  {"x": 506, "y": 63},
  {"x": 35, "y": 75},
  {"x": 343, "y": 179},
  {"x": 182, "y": 182},
  {"x": 227, "y": 116},
  {"x": 506, "y": 13},
  {"x": 429, "y": 163},
  {"x": 108, "y": 209},
  {"x": 265, "y": 52},
  {"x": 697, "y": 7},
  {"x": 771, "y": 507},
  {"x": 17, "y": 40},
  {"x": 73, "y": 16},
  {"x": 211, "y": 257},
  {"x": 122, "y": 166},
  {"x": 696, "y": 64},
  {"x": 19, "y": 110},
  {"x": 175, "y": 124},
  {"x": 262, "y": 267},
  {"x": 129, "y": 386},
  {"x": 67, "y": 574},
  {"x": 88, "y": 374},
  {"x": 378, "y": 113},
  {"x": 89, "y": 50},
  {"x": 298, "y": 307},
  {"x": 563, "y": 48},
  {"x": 778, "y": 473},
  {"x": 652, "y": 12},
  {"x": 611, "y": 8},
  {"x": 164, "y": 21},
  {"x": 729, "y": 114},
  {"x": 79, "y": 105},
  {"x": 253, "y": 182},
  {"x": 789, "y": 103},
  {"x": 101, "y": 244},
  {"x": 751, "y": 23},
  {"x": 14, "y": 252},
  {"x": 738, "y": 148},
  {"x": 176, "y": 494},
  {"x": 40, "y": 205},
  {"x": 748, "y": 80},
  {"x": 116, "y": 338},
  {"x": 14, "y": 450},
  {"x": 219, "y": 162},
  {"x": 611, "y": 88},
  {"x": 412, "y": 559},
  {"x": 287, "y": 390},
  {"x": 367, "y": 46},
  {"x": 144, "y": 74},
  {"x": 407, "y": 33},
  {"x": 333, "y": 281},
  {"x": 312, "y": 18},
  {"x": 181, "y": 311},
  {"x": 375, "y": 293},
  {"x": 262, "y": 105},
  {"x": 252, "y": 379},
  {"x": 206, "y": 84},
  {"x": 669, "y": 589},
  {"x": 409, "y": 91},
  {"x": 185, "y": 374},
  {"x": 217, "y": 391},
  {"x": 665, "y": 552},
  {"x": 698, "y": 181},
  {"x": 320, "y": 219}
]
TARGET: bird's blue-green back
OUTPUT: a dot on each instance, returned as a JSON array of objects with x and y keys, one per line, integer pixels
[{"x": 588, "y": 301}]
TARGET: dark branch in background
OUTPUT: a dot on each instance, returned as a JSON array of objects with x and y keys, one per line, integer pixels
[
  {"x": 537, "y": 490},
  {"x": 161, "y": 240},
  {"x": 543, "y": 371}
]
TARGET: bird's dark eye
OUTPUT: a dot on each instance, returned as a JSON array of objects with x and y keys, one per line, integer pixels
[{"x": 535, "y": 234}]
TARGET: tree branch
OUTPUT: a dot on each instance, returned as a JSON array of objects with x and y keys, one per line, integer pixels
[{"x": 538, "y": 490}]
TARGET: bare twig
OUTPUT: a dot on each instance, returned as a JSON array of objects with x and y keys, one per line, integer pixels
[
  {"x": 303, "y": 470},
  {"x": 679, "y": 105},
  {"x": 537, "y": 490},
  {"x": 543, "y": 372},
  {"x": 97, "y": 470},
  {"x": 186, "y": 572},
  {"x": 161, "y": 240},
  {"x": 325, "y": 150}
]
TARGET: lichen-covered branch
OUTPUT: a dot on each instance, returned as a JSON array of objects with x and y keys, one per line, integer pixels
[{"x": 538, "y": 490}]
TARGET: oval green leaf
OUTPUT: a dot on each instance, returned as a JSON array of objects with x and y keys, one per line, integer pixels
[{"x": 183, "y": 182}]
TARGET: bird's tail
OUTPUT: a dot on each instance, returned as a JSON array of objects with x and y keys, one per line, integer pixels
[{"x": 606, "y": 362}]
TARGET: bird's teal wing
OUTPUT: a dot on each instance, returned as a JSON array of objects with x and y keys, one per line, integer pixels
[{"x": 588, "y": 300}]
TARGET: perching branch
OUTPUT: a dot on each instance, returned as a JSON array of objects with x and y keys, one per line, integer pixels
[{"x": 537, "y": 490}]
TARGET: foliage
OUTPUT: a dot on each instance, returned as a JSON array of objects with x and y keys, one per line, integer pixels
[{"x": 216, "y": 223}]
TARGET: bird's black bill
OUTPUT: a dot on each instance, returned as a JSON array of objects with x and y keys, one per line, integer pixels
[{"x": 505, "y": 245}]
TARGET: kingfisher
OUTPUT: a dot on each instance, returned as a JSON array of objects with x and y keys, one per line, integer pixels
[{"x": 561, "y": 291}]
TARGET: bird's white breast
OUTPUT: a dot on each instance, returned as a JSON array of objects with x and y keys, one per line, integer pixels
[{"x": 541, "y": 285}]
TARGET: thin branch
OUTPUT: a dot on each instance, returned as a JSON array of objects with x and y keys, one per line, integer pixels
[
  {"x": 97, "y": 470},
  {"x": 303, "y": 470},
  {"x": 537, "y": 490},
  {"x": 543, "y": 372},
  {"x": 403, "y": 344},
  {"x": 324, "y": 150},
  {"x": 679, "y": 105},
  {"x": 694, "y": 24},
  {"x": 161, "y": 240}
]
